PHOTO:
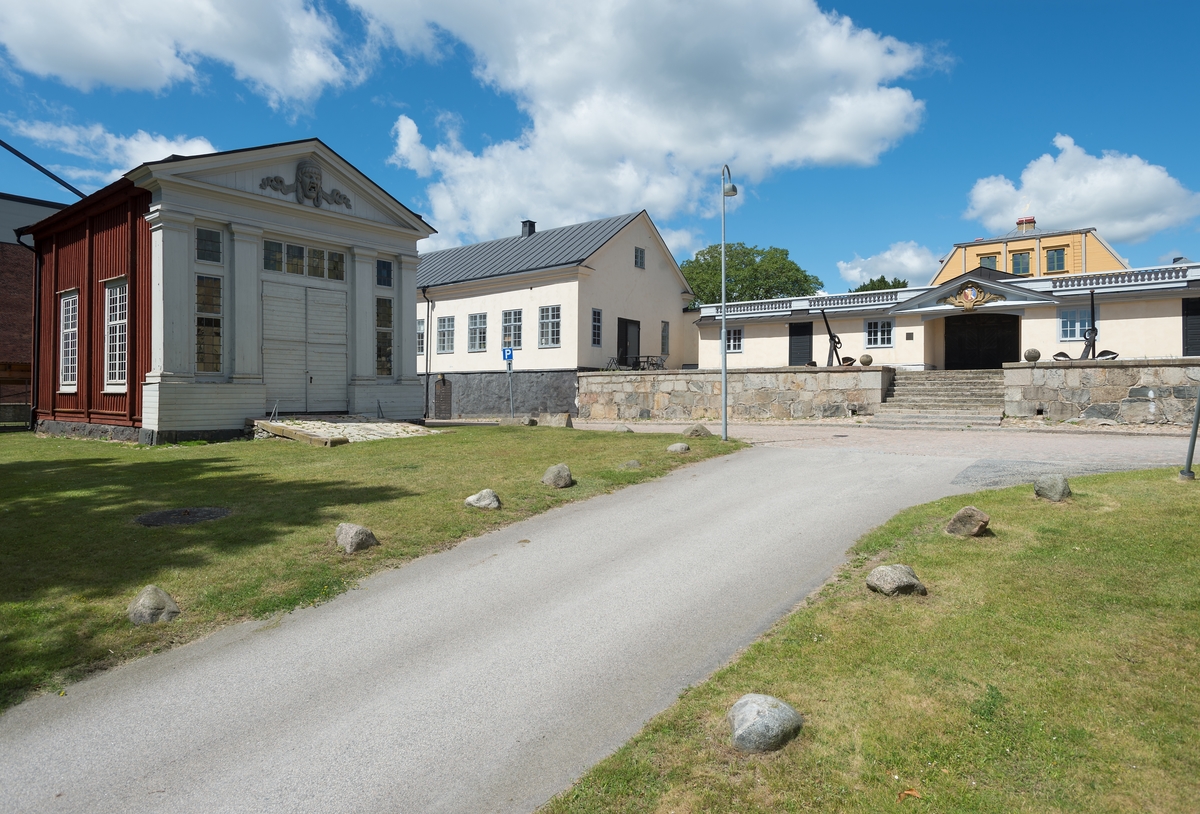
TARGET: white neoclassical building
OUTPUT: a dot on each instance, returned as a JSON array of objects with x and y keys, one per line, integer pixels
[{"x": 199, "y": 291}]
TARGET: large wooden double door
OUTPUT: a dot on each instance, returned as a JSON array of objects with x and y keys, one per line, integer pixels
[
  {"x": 982, "y": 341},
  {"x": 304, "y": 348}
]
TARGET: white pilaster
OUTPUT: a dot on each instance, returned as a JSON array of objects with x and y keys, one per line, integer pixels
[
  {"x": 247, "y": 308},
  {"x": 171, "y": 308},
  {"x": 362, "y": 317},
  {"x": 406, "y": 328}
]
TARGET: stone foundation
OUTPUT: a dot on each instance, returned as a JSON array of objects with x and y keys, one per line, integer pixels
[
  {"x": 764, "y": 393},
  {"x": 486, "y": 394},
  {"x": 139, "y": 435},
  {"x": 1127, "y": 391}
]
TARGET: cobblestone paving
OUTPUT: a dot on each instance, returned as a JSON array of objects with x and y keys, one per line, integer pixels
[{"x": 353, "y": 427}]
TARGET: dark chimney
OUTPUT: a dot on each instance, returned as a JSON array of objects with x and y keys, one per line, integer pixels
[{"x": 528, "y": 227}]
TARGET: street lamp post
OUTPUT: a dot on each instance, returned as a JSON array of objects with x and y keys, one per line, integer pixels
[{"x": 728, "y": 190}]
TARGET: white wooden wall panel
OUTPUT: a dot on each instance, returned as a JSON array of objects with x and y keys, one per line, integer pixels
[
  {"x": 326, "y": 350},
  {"x": 284, "y": 347}
]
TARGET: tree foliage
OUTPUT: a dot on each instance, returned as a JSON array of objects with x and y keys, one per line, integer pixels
[
  {"x": 881, "y": 283},
  {"x": 751, "y": 273}
]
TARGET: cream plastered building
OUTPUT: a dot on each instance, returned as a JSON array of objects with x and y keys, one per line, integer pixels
[
  {"x": 580, "y": 297},
  {"x": 1030, "y": 252},
  {"x": 976, "y": 320}
]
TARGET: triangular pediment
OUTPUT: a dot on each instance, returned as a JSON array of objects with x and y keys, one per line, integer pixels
[
  {"x": 979, "y": 290},
  {"x": 305, "y": 174}
]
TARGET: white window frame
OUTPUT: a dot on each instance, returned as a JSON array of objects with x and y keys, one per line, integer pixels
[
  {"x": 220, "y": 246},
  {"x": 445, "y": 334},
  {"x": 597, "y": 328},
  {"x": 666, "y": 339},
  {"x": 476, "y": 333},
  {"x": 116, "y": 335},
  {"x": 639, "y": 257},
  {"x": 734, "y": 339},
  {"x": 550, "y": 326},
  {"x": 217, "y": 315},
  {"x": 882, "y": 335},
  {"x": 510, "y": 328},
  {"x": 1072, "y": 322},
  {"x": 420, "y": 337},
  {"x": 68, "y": 341}
]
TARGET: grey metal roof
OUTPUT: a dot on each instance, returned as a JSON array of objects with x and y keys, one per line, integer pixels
[{"x": 554, "y": 248}]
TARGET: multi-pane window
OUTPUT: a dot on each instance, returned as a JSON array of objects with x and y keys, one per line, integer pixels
[
  {"x": 420, "y": 336},
  {"x": 208, "y": 245},
  {"x": 116, "y": 333},
  {"x": 988, "y": 262},
  {"x": 510, "y": 328},
  {"x": 639, "y": 257},
  {"x": 383, "y": 336},
  {"x": 68, "y": 357},
  {"x": 597, "y": 323},
  {"x": 549, "y": 326},
  {"x": 476, "y": 332},
  {"x": 272, "y": 255},
  {"x": 879, "y": 333},
  {"x": 383, "y": 273},
  {"x": 337, "y": 266},
  {"x": 316, "y": 262},
  {"x": 1073, "y": 324},
  {"x": 445, "y": 335},
  {"x": 733, "y": 340},
  {"x": 666, "y": 338},
  {"x": 208, "y": 324},
  {"x": 1056, "y": 260},
  {"x": 1020, "y": 263},
  {"x": 295, "y": 259}
]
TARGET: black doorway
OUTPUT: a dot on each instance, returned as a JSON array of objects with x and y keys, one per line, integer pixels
[
  {"x": 629, "y": 341},
  {"x": 1191, "y": 326},
  {"x": 982, "y": 341},
  {"x": 799, "y": 343}
]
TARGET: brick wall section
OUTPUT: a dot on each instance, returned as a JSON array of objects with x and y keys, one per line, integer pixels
[
  {"x": 16, "y": 304},
  {"x": 1127, "y": 391},
  {"x": 766, "y": 393}
]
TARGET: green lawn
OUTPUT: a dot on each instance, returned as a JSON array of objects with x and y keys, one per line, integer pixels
[
  {"x": 1052, "y": 667},
  {"x": 71, "y": 557}
]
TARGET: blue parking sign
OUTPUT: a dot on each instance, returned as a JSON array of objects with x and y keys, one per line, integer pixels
[{"x": 508, "y": 354}]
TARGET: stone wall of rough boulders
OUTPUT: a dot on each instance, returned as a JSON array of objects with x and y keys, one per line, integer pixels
[
  {"x": 753, "y": 394},
  {"x": 1121, "y": 391}
]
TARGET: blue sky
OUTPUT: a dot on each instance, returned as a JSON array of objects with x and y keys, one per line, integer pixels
[{"x": 866, "y": 137}]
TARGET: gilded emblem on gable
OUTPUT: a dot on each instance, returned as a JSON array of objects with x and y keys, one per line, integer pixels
[
  {"x": 307, "y": 186},
  {"x": 970, "y": 295}
]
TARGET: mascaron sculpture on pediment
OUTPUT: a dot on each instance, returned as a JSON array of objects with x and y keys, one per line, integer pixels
[
  {"x": 970, "y": 295},
  {"x": 307, "y": 186}
]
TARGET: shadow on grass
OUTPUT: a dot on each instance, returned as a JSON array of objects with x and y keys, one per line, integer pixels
[{"x": 71, "y": 553}]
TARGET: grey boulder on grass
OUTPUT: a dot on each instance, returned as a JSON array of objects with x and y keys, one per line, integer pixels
[
  {"x": 762, "y": 723},
  {"x": 558, "y": 476},
  {"x": 696, "y": 431},
  {"x": 890, "y": 580},
  {"x": 152, "y": 604},
  {"x": 353, "y": 537},
  {"x": 1052, "y": 487},
  {"x": 968, "y": 522},
  {"x": 485, "y": 499},
  {"x": 679, "y": 448}
]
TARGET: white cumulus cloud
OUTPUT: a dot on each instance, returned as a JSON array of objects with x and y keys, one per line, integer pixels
[
  {"x": 109, "y": 155},
  {"x": 905, "y": 260},
  {"x": 636, "y": 105},
  {"x": 1125, "y": 197},
  {"x": 287, "y": 50}
]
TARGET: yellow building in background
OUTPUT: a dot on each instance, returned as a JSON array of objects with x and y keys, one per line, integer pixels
[{"x": 1029, "y": 252}]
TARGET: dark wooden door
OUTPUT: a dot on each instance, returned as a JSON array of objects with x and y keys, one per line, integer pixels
[
  {"x": 629, "y": 341},
  {"x": 1191, "y": 326},
  {"x": 982, "y": 341},
  {"x": 800, "y": 343}
]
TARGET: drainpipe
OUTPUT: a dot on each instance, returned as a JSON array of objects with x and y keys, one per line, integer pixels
[
  {"x": 37, "y": 324},
  {"x": 428, "y": 334}
]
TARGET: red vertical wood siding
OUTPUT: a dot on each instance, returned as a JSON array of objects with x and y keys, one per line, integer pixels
[{"x": 101, "y": 238}]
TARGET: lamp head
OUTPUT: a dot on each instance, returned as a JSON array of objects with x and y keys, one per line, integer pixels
[{"x": 730, "y": 189}]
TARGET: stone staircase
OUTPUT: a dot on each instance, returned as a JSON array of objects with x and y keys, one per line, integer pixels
[{"x": 942, "y": 399}]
